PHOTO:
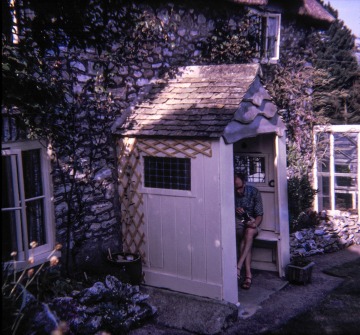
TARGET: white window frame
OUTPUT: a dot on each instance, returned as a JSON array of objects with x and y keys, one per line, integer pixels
[
  {"x": 332, "y": 174},
  {"x": 264, "y": 47},
  {"x": 194, "y": 166},
  {"x": 41, "y": 252}
]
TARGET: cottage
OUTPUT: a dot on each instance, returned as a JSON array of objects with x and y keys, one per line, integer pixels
[
  {"x": 177, "y": 155},
  {"x": 176, "y": 151}
]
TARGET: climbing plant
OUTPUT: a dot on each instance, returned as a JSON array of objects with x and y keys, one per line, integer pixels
[{"x": 74, "y": 115}]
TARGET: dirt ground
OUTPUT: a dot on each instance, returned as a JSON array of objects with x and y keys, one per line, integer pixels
[
  {"x": 330, "y": 304},
  {"x": 337, "y": 313}
]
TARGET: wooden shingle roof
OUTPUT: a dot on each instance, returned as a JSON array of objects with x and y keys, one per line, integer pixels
[
  {"x": 205, "y": 102},
  {"x": 315, "y": 10},
  {"x": 250, "y": 2}
]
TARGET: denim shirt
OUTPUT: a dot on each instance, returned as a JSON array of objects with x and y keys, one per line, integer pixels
[{"x": 251, "y": 201}]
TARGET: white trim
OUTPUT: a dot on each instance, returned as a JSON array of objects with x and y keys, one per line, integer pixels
[
  {"x": 194, "y": 166},
  {"x": 331, "y": 130},
  {"x": 282, "y": 204},
  {"x": 185, "y": 285},
  {"x": 276, "y": 56},
  {"x": 228, "y": 234}
]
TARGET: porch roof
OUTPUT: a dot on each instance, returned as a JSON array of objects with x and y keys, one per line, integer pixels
[{"x": 206, "y": 102}]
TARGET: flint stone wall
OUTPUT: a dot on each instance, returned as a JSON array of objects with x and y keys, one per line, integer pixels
[
  {"x": 336, "y": 230},
  {"x": 191, "y": 25}
]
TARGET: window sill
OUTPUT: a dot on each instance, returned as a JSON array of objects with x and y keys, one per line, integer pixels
[{"x": 21, "y": 265}]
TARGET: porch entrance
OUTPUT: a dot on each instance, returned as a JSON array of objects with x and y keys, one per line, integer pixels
[{"x": 255, "y": 158}]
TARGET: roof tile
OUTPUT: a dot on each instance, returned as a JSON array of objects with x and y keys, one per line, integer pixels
[{"x": 201, "y": 102}]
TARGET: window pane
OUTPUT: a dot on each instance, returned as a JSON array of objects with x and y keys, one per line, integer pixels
[
  {"x": 168, "y": 173},
  {"x": 8, "y": 230},
  {"x": 35, "y": 221},
  {"x": 344, "y": 201},
  {"x": 251, "y": 166},
  {"x": 271, "y": 36},
  {"x": 32, "y": 173},
  {"x": 323, "y": 152},
  {"x": 7, "y": 178}
]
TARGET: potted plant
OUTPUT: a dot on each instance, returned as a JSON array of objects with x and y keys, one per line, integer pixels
[
  {"x": 299, "y": 270},
  {"x": 128, "y": 266}
]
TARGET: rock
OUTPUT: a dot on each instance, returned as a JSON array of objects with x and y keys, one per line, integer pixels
[
  {"x": 341, "y": 231},
  {"x": 298, "y": 236}
]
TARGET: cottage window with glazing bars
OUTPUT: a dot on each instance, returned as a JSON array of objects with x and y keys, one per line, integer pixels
[
  {"x": 167, "y": 172},
  {"x": 25, "y": 201},
  {"x": 270, "y": 36}
]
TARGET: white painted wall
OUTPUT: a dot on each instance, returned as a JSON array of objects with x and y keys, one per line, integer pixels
[
  {"x": 184, "y": 234},
  {"x": 190, "y": 242}
]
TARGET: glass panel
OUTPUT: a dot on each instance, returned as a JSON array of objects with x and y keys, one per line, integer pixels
[
  {"x": 271, "y": 36},
  {"x": 8, "y": 237},
  {"x": 324, "y": 192},
  {"x": 7, "y": 190},
  {"x": 251, "y": 166},
  {"x": 168, "y": 173},
  {"x": 344, "y": 201},
  {"x": 323, "y": 152},
  {"x": 263, "y": 36},
  {"x": 324, "y": 185},
  {"x": 32, "y": 173},
  {"x": 35, "y": 221},
  {"x": 341, "y": 180}
]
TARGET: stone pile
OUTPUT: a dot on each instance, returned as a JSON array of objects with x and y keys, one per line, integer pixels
[
  {"x": 335, "y": 231},
  {"x": 110, "y": 306}
]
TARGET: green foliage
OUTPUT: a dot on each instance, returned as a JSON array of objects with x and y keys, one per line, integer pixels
[
  {"x": 75, "y": 117},
  {"x": 316, "y": 85},
  {"x": 291, "y": 82},
  {"x": 334, "y": 53},
  {"x": 300, "y": 201},
  {"x": 231, "y": 43},
  {"x": 26, "y": 81}
]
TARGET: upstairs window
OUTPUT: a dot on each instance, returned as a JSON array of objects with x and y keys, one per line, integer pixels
[
  {"x": 270, "y": 36},
  {"x": 167, "y": 173}
]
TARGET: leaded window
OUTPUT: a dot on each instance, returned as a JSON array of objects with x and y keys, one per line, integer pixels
[{"x": 167, "y": 172}]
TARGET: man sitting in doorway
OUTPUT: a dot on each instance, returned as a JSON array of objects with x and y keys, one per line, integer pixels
[{"x": 249, "y": 214}]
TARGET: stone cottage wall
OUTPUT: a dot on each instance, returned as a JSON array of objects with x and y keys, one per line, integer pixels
[{"x": 187, "y": 27}]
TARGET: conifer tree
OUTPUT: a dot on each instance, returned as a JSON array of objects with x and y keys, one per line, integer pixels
[{"x": 334, "y": 53}]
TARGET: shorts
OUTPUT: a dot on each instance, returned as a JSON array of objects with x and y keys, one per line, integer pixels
[{"x": 240, "y": 229}]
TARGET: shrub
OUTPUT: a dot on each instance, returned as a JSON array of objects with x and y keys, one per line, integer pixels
[{"x": 300, "y": 198}]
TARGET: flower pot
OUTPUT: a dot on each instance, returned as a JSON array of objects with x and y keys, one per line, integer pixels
[
  {"x": 127, "y": 267},
  {"x": 299, "y": 274}
]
